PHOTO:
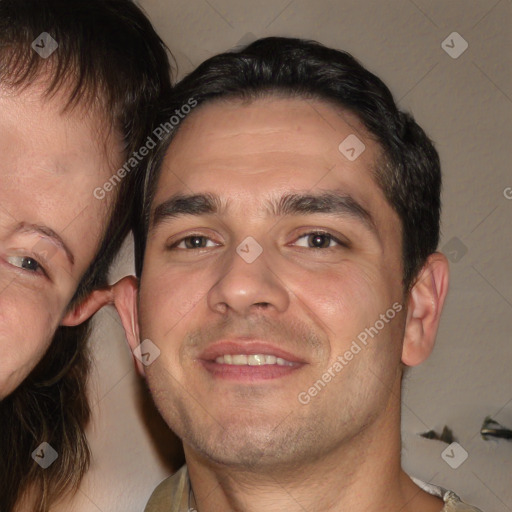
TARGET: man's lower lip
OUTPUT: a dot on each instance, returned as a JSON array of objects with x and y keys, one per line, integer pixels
[{"x": 248, "y": 373}]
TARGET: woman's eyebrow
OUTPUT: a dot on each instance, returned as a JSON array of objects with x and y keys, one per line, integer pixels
[{"x": 48, "y": 233}]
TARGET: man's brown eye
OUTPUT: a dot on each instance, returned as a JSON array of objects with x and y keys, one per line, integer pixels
[
  {"x": 195, "y": 242},
  {"x": 319, "y": 240}
]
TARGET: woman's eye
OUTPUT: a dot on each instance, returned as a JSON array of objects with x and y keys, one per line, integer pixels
[
  {"x": 26, "y": 263},
  {"x": 317, "y": 241},
  {"x": 195, "y": 242}
]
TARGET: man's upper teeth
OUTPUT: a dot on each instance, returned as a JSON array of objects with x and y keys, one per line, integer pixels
[{"x": 252, "y": 360}]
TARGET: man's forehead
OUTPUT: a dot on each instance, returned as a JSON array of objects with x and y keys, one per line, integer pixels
[
  {"x": 268, "y": 140},
  {"x": 266, "y": 117},
  {"x": 250, "y": 157}
]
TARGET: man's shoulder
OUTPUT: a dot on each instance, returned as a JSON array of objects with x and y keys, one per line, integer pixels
[
  {"x": 171, "y": 494},
  {"x": 452, "y": 502}
]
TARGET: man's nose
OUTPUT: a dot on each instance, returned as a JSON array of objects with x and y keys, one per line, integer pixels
[{"x": 246, "y": 286}]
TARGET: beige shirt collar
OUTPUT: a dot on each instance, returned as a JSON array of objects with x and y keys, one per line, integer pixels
[{"x": 172, "y": 495}]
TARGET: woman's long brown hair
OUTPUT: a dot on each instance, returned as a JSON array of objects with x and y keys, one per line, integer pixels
[{"x": 50, "y": 406}]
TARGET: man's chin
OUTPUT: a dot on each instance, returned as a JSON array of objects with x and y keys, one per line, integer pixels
[
  {"x": 252, "y": 445},
  {"x": 240, "y": 453}
]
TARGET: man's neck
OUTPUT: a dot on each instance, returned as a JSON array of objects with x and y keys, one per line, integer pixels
[{"x": 363, "y": 474}]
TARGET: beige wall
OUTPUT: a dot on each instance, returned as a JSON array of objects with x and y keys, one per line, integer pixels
[{"x": 465, "y": 104}]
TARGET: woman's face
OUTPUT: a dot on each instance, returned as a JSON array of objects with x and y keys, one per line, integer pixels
[{"x": 51, "y": 224}]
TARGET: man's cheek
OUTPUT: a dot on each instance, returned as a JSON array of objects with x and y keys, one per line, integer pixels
[{"x": 180, "y": 303}]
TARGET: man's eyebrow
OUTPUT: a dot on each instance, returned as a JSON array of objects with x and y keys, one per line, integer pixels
[
  {"x": 180, "y": 204},
  {"x": 332, "y": 203},
  {"x": 47, "y": 232}
]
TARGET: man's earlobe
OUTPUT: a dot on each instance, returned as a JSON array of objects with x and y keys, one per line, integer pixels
[
  {"x": 425, "y": 305},
  {"x": 90, "y": 305},
  {"x": 125, "y": 300}
]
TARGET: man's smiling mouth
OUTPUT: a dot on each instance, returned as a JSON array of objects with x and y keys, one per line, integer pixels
[
  {"x": 253, "y": 360},
  {"x": 249, "y": 359}
]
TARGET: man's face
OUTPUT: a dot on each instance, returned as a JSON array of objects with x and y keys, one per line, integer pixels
[
  {"x": 269, "y": 253},
  {"x": 50, "y": 222}
]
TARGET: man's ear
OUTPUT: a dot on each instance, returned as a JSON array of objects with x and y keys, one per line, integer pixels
[
  {"x": 90, "y": 305},
  {"x": 425, "y": 305},
  {"x": 125, "y": 300}
]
